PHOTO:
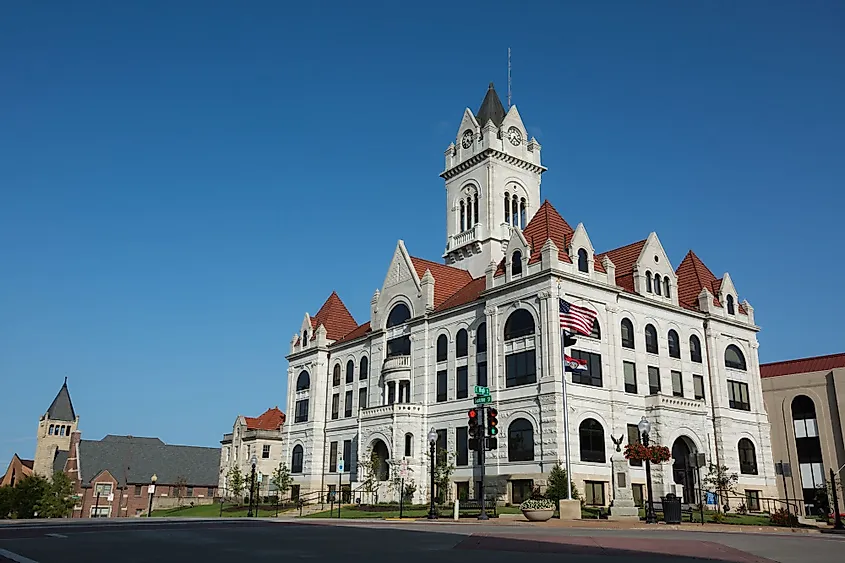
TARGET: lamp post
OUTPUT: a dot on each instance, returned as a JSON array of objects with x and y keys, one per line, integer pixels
[
  {"x": 253, "y": 461},
  {"x": 432, "y": 444},
  {"x": 644, "y": 427},
  {"x": 152, "y": 490}
]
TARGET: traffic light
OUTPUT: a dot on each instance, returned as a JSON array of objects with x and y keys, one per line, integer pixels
[
  {"x": 568, "y": 339},
  {"x": 492, "y": 422},
  {"x": 474, "y": 430}
]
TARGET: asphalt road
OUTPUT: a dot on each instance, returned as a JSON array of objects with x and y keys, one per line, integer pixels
[{"x": 406, "y": 542}]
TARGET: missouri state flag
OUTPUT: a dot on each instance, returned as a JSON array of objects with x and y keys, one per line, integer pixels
[{"x": 574, "y": 364}]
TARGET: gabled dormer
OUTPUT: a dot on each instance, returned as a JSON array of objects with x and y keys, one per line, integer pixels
[
  {"x": 514, "y": 139},
  {"x": 727, "y": 296},
  {"x": 581, "y": 251},
  {"x": 518, "y": 252},
  {"x": 401, "y": 284},
  {"x": 655, "y": 277},
  {"x": 306, "y": 331}
]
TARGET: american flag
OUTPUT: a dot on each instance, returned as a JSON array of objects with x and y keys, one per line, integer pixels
[{"x": 575, "y": 318}]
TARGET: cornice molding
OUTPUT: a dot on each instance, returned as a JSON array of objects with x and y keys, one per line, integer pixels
[{"x": 492, "y": 154}]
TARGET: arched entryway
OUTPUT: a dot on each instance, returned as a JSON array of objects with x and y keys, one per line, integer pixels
[
  {"x": 683, "y": 472},
  {"x": 380, "y": 457}
]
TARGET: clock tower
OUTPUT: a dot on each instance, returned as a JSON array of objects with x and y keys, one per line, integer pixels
[{"x": 492, "y": 184}]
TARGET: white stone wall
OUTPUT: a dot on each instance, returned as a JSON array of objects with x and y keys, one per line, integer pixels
[{"x": 237, "y": 452}]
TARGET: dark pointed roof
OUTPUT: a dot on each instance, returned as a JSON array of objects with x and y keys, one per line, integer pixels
[
  {"x": 491, "y": 108},
  {"x": 62, "y": 408}
]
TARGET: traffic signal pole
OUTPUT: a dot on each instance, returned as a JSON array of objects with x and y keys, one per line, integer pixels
[{"x": 482, "y": 450}]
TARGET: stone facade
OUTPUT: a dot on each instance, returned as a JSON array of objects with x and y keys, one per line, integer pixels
[
  {"x": 261, "y": 436},
  {"x": 383, "y": 384},
  {"x": 54, "y": 431}
]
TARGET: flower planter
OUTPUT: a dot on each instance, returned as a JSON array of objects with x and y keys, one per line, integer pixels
[{"x": 538, "y": 515}]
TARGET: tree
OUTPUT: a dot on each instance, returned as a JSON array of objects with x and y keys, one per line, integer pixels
[
  {"x": 368, "y": 468},
  {"x": 57, "y": 500},
  {"x": 720, "y": 481},
  {"x": 443, "y": 469},
  {"x": 395, "y": 482},
  {"x": 556, "y": 488},
  {"x": 179, "y": 489},
  {"x": 235, "y": 480},
  {"x": 7, "y": 501},
  {"x": 27, "y": 496},
  {"x": 281, "y": 479}
]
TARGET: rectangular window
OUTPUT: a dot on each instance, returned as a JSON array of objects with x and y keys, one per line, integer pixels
[
  {"x": 102, "y": 489},
  {"x": 335, "y": 406},
  {"x": 520, "y": 368},
  {"x": 333, "y": 457},
  {"x": 442, "y": 441},
  {"x": 189, "y": 491},
  {"x": 99, "y": 512},
  {"x": 653, "y": 380},
  {"x": 630, "y": 377},
  {"x": 442, "y": 381},
  {"x": 137, "y": 490},
  {"x": 362, "y": 398},
  {"x": 265, "y": 451},
  {"x": 211, "y": 491},
  {"x": 462, "y": 441},
  {"x": 481, "y": 374},
  {"x": 738, "y": 395},
  {"x": 634, "y": 438},
  {"x": 347, "y": 455},
  {"x": 677, "y": 384},
  {"x": 347, "y": 404},
  {"x": 463, "y": 490},
  {"x": 594, "y": 494},
  {"x": 637, "y": 490},
  {"x": 391, "y": 392},
  {"x": 591, "y": 375},
  {"x": 698, "y": 386},
  {"x": 752, "y": 500},
  {"x": 463, "y": 382}
]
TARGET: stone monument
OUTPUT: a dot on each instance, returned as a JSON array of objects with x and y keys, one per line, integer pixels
[{"x": 623, "y": 507}]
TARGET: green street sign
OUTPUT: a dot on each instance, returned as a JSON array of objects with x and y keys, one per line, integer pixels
[
  {"x": 483, "y": 399},
  {"x": 479, "y": 390}
]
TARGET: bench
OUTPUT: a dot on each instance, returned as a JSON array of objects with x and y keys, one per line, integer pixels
[{"x": 474, "y": 505}]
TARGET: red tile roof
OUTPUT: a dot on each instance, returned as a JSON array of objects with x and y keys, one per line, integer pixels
[
  {"x": 804, "y": 365},
  {"x": 467, "y": 294},
  {"x": 335, "y": 317},
  {"x": 447, "y": 279},
  {"x": 693, "y": 276},
  {"x": 272, "y": 419},
  {"x": 624, "y": 259},
  {"x": 359, "y": 331}
]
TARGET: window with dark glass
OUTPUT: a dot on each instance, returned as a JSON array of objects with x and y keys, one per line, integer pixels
[
  {"x": 734, "y": 358},
  {"x": 442, "y": 443},
  {"x": 594, "y": 493},
  {"x": 698, "y": 386},
  {"x": 481, "y": 374},
  {"x": 730, "y": 300},
  {"x": 738, "y": 396},
  {"x": 747, "y": 457},
  {"x": 481, "y": 338},
  {"x": 362, "y": 398},
  {"x": 653, "y": 380},
  {"x": 409, "y": 444},
  {"x": 520, "y": 368},
  {"x": 520, "y": 440},
  {"x": 657, "y": 286},
  {"x": 630, "y": 370},
  {"x": 442, "y": 383},
  {"x": 596, "y": 332},
  {"x": 333, "y": 457},
  {"x": 666, "y": 287},
  {"x": 301, "y": 411},
  {"x": 674, "y": 344},
  {"x": 650, "y": 339},
  {"x": 391, "y": 392},
  {"x": 265, "y": 451},
  {"x": 401, "y": 346},
  {"x": 335, "y": 406},
  {"x": 591, "y": 375},
  {"x": 695, "y": 349},
  {"x": 303, "y": 381},
  {"x": 347, "y": 456},
  {"x": 516, "y": 263},
  {"x": 648, "y": 282},
  {"x": 296, "y": 459},
  {"x": 442, "y": 348},
  {"x": 634, "y": 438},
  {"x": 462, "y": 344},
  {"x": 336, "y": 375},
  {"x": 752, "y": 500},
  {"x": 347, "y": 404},
  {"x": 582, "y": 261},
  {"x": 463, "y": 382},
  {"x": 304, "y": 339},
  {"x": 627, "y": 334},
  {"x": 350, "y": 371},
  {"x": 591, "y": 435},
  {"x": 677, "y": 384},
  {"x": 461, "y": 438},
  {"x": 400, "y": 314},
  {"x": 520, "y": 323},
  {"x": 364, "y": 370}
]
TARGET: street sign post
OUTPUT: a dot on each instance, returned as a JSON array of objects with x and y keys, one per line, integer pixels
[
  {"x": 483, "y": 400},
  {"x": 481, "y": 390}
]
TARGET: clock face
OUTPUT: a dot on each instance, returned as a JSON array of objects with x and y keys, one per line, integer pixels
[
  {"x": 466, "y": 140},
  {"x": 514, "y": 136}
]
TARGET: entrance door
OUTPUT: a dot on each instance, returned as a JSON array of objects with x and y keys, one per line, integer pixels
[
  {"x": 682, "y": 472},
  {"x": 294, "y": 493}
]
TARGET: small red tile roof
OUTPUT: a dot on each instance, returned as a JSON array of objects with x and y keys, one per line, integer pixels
[
  {"x": 359, "y": 331},
  {"x": 335, "y": 317},
  {"x": 271, "y": 419},
  {"x": 447, "y": 279},
  {"x": 693, "y": 276},
  {"x": 467, "y": 294},
  {"x": 803, "y": 365},
  {"x": 624, "y": 259}
]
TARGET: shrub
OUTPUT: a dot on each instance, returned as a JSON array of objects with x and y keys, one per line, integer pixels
[
  {"x": 538, "y": 504},
  {"x": 781, "y": 517}
]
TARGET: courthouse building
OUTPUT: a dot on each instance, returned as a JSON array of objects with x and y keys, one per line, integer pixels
[{"x": 672, "y": 343}]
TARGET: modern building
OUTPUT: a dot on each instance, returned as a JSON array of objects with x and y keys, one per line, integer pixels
[
  {"x": 18, "y": 468},
  {"x": 673, "y": 344},
  {"x": 259, "y": 436},
  {"x": 805, "y": 400}
]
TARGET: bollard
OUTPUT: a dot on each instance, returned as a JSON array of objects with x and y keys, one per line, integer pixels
[{"x": 457, "y": 509}]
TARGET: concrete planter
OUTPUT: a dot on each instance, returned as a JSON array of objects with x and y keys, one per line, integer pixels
[{"x": 538, "y": 515}]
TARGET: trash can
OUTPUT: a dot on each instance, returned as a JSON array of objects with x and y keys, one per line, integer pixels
[{"x": 671, "y": 509}]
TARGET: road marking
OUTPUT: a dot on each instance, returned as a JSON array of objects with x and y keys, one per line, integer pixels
[
  {"x": 15, "y": 557},
  {"x": 56, "y": 536}
]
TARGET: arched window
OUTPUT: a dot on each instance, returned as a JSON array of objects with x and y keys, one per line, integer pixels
[
  {"x": 398, "y": 315},
  {"x": 522, "y": 213},
  {"x": 475, "y": 210},
  {"x": 409, "y": 445},
  {"x": 442, "y": 348},
  {"x": 400, "y": 346},
  {"x": 695, "y": 349},
  {"x": 596, "y": 332},
  {"x": 650, "y": 339},
  {"x": 591, "y": 435},
  {"x": 582, "y": 260},
  {"x": 303, "y": 381},
  {"x": 627, "y": 334},
  {"x": 336, "y": 375},
  {"x": 666, "y": 287},
  {"x": 657, "y": 286},
  {"x": 515, "y": 211},
  {"x": 730, "y": 300},
  {"x": 462, "y": 344},
  {"x": 296, "y": 459},
  {"x": 50, "y": 431},
  {"x": 350, "y": 371},
  {"x": 648, "y": 282},
  {"x": 520, "y": 440},
  {"x": 364, "y": 370},
  {"x": 803, "y": 409},
  {"x": 481, "y": 338},
  {"x": 674, "y": 344},
  {"x": 304, "y": 338},
  {"x": 507, "y": 207},
  {"x": 463, "y": 217},
  {"x": 734, "y": 358},
  {"x": 516, "y": 263},
  {"x": 747, "y": 457},
  {"x": 62, "y": 430},
  {"x": 519, "y": 323},
  {"x": 808, "y": 447}
]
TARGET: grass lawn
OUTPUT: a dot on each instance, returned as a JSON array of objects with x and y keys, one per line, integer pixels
[
  {"x": 213, "y": 511},
  {"x": 392, "y": 511}
]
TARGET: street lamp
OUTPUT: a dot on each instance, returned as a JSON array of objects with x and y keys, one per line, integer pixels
[
  {"x": 432, "y": 444},
  {"x": 644, "y": 427},
  {"x": 152, "y": 490},
  {"x": 253, "y": 461}
]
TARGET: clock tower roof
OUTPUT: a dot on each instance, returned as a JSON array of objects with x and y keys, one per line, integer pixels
[{"x": 491, "y": 108}]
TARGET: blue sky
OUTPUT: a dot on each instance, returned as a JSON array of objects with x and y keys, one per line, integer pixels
[{"x": 180, "y": 181}]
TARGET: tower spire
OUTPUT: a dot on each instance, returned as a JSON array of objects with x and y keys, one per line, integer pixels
[{"x": 509, "y": 78}]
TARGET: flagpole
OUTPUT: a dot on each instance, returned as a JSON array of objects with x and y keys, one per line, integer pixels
[{"x": 566, "y": 420}]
